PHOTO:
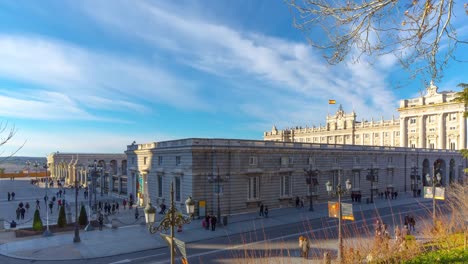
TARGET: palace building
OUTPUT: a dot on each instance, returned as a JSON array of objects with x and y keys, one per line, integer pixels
[{"x": 432, "y": 121}]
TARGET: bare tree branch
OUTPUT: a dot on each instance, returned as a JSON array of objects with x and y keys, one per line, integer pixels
[{"x": 419, "y": 33}]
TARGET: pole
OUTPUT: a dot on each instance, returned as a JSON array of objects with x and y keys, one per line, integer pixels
[
  {"x": 433, "y": 199},
  {"x": 311, "y": 206},
  {"x": 76, "y": 238},
  {"x": 218, "y": 180},
  {"x": 47, "y": 232},
  {"x": 340, "y": 215},
  {"x": 172, "y": 223}
]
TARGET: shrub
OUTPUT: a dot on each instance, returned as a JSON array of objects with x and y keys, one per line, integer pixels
[
  {"x": 37, "y": 222},
  {"x": 62, "y": 220},
  {"x": 83, "y": 219}
]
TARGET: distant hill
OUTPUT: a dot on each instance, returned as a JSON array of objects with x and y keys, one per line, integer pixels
[{"x": 16, "y": 164}]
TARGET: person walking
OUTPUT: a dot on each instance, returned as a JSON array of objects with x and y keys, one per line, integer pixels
[
  {"x": 124, "y": 203},
  {"x": 117, "y": 207},
  {"x": 12, "y": 195},
  {"x": 266, "y": 211},
  {"x": 37, "y": 204},
  {"x": 207, "y": 220},
  {"x": 51, "y": 206},
  {"x": 302, "y": 202},
  {"x": 21, "y": 205},
  {"x": 261, "y": 210},
  {"x": 213, "y": 222},
  {"x": 27, "y": 207},
  {"x": 22, "y": 212},
  {"x": 136, "y": 213},
  {"x": 46, "y": 198},
  {"x": 297, "y": 201},
  {"x": 412, "y": 223},
  {"x": 18, "y": 213},
  {"x": 113, "y": 208},
  {"x": 9, "y": 196}
]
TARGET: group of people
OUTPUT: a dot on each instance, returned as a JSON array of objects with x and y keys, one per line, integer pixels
[
  {"x": 21, "y": 210},
  {"x": 356, "y": 197},
  {"x": 11, "y": 196},
  {"x": 210, "y": 221},
  {"x": 109, "y": 207},
  {"x": 389, "y": 195},
  {"x": 299, "y": 202}
]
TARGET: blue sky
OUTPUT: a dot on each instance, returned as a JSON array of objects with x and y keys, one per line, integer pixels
[{"x": 93, "y": 76}]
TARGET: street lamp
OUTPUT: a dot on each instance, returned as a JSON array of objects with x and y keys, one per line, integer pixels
[
  {"x": 93, "y": 170},
  {"x": 415, "y": 180},
  {"x": 47, "y": 232},
  {"x": 36, "y": 165},
  {"x": 76, "y": 238},
  {"x": 339, "y": 192},
  {"x": 435, "y": 180},
  {"x": 311, "y": 180},
  {"x": 172, "y": 218},
  {"x": 27, "y": 165},
  {"x": 372, "y": 176},
  {"x": 218, "y": 179}
]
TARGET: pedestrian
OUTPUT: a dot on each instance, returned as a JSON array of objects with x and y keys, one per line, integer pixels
[
  {"x": 51, "y": 206},
  {"x": 117, "y": 207},
  {"x": 261, "y": 209},
  {"x": 60, "y": 192},
  {"x": 213, "y": 222},
  {"x": 27, "y": 206},
  {"x": 266, "y": 211},
  {"x": 113, "y": 208},
  {"x": 9, "y": 196},
  {"x": 304, "y": 246},
  {"x": 412, "y": 223},
  {"x": 124, "y": 203},
  {"x": 13, "y": 195},
  {"x": 100, "y": 205},
  {"x": 297, "y": 201},
  {"x": 101, "y": 221},
  {"x": 38, "y": 207},
  {"x": 207, "y": 220},
  {"x": 18, "y": 213},
  {"x": 46, "y": 198},
  {"x": 21, "y": 205},
  {"x": 302, "y": 202},
  {"x": 136, "y": 213},
  {"x": 130, "y": 204},
  {"x": 22, "y": 212}
]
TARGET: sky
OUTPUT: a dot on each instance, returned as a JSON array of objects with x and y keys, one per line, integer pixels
[{"x": 94, "y": 76}]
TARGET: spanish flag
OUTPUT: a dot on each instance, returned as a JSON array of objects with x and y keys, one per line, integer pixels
[{"x": 330, "y": 101}]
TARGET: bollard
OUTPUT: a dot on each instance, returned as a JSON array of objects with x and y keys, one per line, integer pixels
[{"x": 326, "y": 258}]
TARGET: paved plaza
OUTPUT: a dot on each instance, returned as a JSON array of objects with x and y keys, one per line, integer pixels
[{"x": 95, "y": 244}]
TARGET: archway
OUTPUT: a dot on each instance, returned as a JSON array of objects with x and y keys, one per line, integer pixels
[{"x": 425, "y": 170}]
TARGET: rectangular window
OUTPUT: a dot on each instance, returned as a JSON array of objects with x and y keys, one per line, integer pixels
[
  {"x": 133, "y": 160},
  {"x": 285, "y": 186},
  {"x": 177, "y": 189},
  {"x": 453, "y": 128},
  {"x": 177, "y": 160},
  {"x": 412, "y": 121},
  {"x": 413, "y": 130},
  {"x": 397, "y": 133},
  {"x": 160, "y": 160},
  {"x": 160, "y": 186},
  {"x": 366, "y": 135},
  {"x": 253, "y": 160},
  {"x": 356, "y": 160},
  {"x": 413, "y": 145},
  {"x": 356, "y": 183},
  {"x": 284, "y": 161},
  {"x": 376, "y": 135},
  {"x": 431, "y": 119},
  {"x": 311, "y": 161},
  {"x": 390, "y": 159},
  {"x": 144, "y": 160},
  {"x": 390, "y": 174},
  {"x": 452, "y": 146},
  {"x": 254, "y": 188},
  {"x": 357, "y": 136},
  {"x": 453, "y": 116}
]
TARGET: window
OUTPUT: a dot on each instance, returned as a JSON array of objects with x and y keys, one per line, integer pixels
[
  {"x": 177, "y": 160},
  {"x": 356, "y": 160},
  {"x": 452, "y": 128},
  {"x": 385, "y": 134},
  {"x": 291, "y": 160},
  {"x": 133, "y": 160},
  {"x": 177, "y": 189},
  {"x": 356, "y": 181},
  {"x": 366, "y": 135},
  {"x": 285, "y": 186},
  {"x": 254, "y": 188},
  {"x": 285, "y": 161},
  {"x": 144, "y": 160},
  {"x": 413, "y": 130},
  {"x": 452, "y": 116},
  {"x": 160, "y": 160},
  {"x": 412, "y": 121},
  {"x": 376, "y": 135},
  {"x": 397, "y": 133},
  {"x": 431, "y": 119},
  {"x": 357, "y": 136},
  {"x": 390, "y": 174},
  {"x": 311, "y": 161},
  {"x": 412, "y": 145},
  {"x": 432, "y": 129},
  {"x": 253, "y": 160},
  {"x": 160, "y": 186},
  {"x": 431, "y": 145},
  {"x": 390, "y": 159},
  {"x": 452, "y": 145}
]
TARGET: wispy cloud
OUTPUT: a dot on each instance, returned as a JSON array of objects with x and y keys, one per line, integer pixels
[
  {"x": 294, "y": 74},
  {"x": 86, "y": 78}
]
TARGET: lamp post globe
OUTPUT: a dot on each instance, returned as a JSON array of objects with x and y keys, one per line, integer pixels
[
  {"x": 190, "y": 205},
  {"x": 150, "y": 214},
  {"x": 329, "y": 186}
]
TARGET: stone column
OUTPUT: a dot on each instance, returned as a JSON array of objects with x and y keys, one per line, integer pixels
[
  {"x": 462, "y": 143},
  {"x": 441, "y": 143},
  {"x": 422, "y": 136},
  {"x": 403, "y": 134}
]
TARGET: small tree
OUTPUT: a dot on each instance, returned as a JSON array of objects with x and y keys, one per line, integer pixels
[
  {"x": 37, "y": 222},
  {"x": 62, "y": 220},
  {"x": 83, "y": 219}
]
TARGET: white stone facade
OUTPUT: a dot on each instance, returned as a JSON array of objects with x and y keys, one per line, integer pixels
[
  {"x": 73, "y": 167},
  {"x": 272, "y": 173},
  {"x": 432, "y": 121}
]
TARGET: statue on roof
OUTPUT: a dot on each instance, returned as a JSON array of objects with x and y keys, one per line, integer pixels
[{"x": 432, "y": 89}]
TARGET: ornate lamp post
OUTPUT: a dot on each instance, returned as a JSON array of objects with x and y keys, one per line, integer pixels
[
  {"x": 339, "y": 191},
  {"x": 27, "y": 166},
  {"x": 76, "y": 238},
  {"x": 435, "y": 180},
  {"x": 172, "y": 218},
  {"x": 311, "y": 180},
  {"x": 47, "y": 232},
  {"x": 218, "y": 179},
  {"x": 36, "y": 165},
  {"x": 93, "y": 170},
  {"x": 372, "y": 176}
]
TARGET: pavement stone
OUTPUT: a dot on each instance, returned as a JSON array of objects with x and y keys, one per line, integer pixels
[{"x": 95, "y": 244}]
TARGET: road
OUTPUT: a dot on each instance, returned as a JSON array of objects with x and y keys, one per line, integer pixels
[{"x": 273, "y": 243}]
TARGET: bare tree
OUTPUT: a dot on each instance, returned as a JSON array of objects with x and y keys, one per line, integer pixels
[
  {"x": 420, "y": 34},
  {"x": 6, "y": 134}
]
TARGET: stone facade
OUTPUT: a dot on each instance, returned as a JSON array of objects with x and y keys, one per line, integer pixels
[
  {"x": 75, "y": 166},
  {"x": 249, "y": 172},
  {"x": 432, "y": 121}
]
